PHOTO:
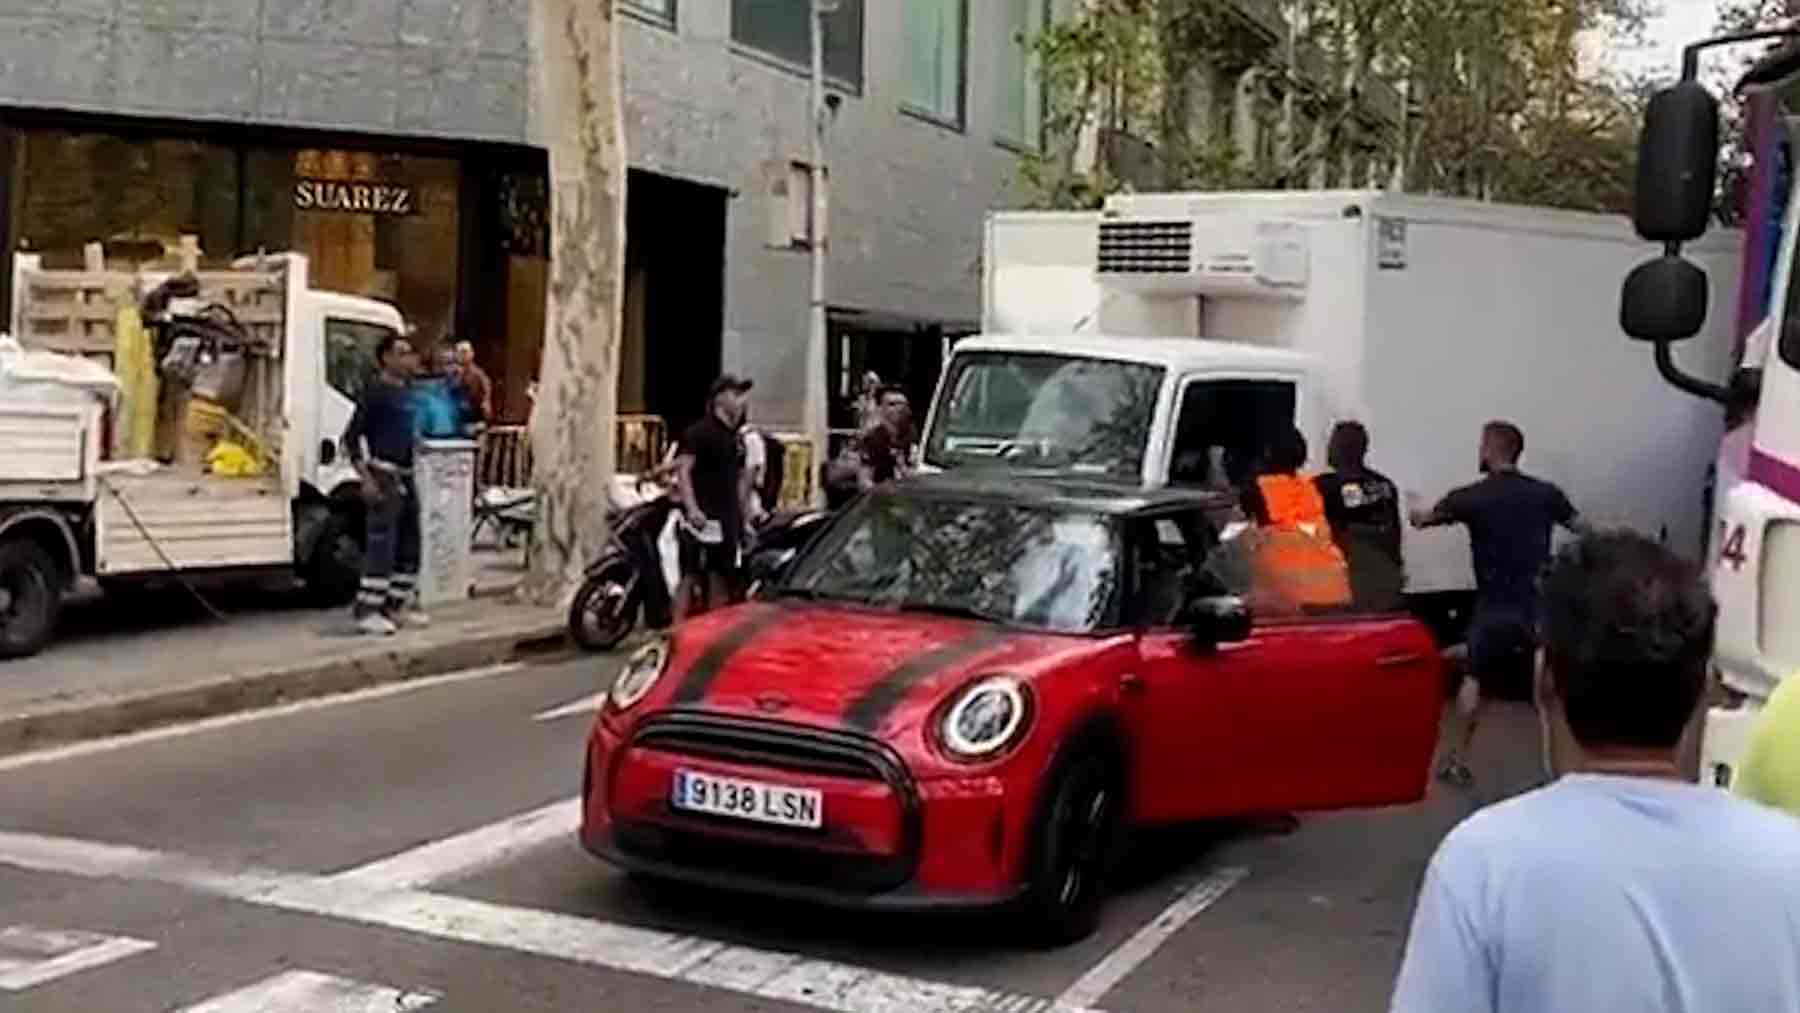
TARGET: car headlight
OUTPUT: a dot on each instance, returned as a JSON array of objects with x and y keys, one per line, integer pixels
[
  {"x": 986, "y": 718},
  {"x": 640, "y": 673}
]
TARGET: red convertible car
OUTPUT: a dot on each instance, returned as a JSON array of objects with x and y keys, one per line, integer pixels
[{"x": 966, "y": 690}]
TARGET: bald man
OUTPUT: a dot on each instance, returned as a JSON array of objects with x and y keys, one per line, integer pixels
[{"x": 475, "y": 381}]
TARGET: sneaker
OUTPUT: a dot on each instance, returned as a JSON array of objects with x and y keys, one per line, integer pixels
[
  {"x": 411, "y": 619},
  {"x": 376, "y": 625},
  {"x": 1456, "y": 773}
]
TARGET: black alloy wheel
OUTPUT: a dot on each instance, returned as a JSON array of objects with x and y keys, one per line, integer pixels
[{"x": 1077, "y": 838}]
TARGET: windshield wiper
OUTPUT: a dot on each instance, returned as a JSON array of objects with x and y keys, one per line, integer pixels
[
  {"x": 816, "y": 594},
  {"x": 947, "y": 609}
]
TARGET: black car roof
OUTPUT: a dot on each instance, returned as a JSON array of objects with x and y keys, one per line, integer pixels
[{"x": 1056, "y": 490}]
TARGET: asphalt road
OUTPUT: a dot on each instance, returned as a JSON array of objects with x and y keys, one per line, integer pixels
[{"x": 412, "y": 848}]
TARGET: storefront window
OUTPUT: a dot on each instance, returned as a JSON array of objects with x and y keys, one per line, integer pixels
[
  {"x": 370, "y": 224},
  {"x": 141, "y": 194}
]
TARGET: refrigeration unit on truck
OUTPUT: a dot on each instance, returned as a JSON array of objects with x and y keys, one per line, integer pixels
[
  {"x": 1168, "y": 333},
  {"x": 250, "y": 376},
  {"x": 1755, "y": 562}
]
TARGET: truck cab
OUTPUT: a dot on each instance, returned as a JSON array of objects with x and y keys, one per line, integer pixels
[{"x": 1154, "y": 411}]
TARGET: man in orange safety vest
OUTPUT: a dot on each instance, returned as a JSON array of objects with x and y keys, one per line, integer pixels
[{"x": 1298, "y": 566}]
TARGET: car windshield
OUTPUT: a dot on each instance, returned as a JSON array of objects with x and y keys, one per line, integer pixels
[
  {"x": 1034, "y": 566},
  {"x": 1044, "y": 411}
]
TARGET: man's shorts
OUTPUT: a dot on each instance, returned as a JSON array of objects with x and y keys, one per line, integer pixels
[
  {"x": 1503, "y": 653},
  {"x": 718, "y": 559}
]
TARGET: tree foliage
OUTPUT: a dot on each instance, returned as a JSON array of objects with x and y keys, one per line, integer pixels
[{"x": 1474, "y": 98}]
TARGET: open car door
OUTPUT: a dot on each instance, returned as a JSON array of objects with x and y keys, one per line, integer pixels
[
  {"x": 1302, "y": 714},
  {"x": 1305, "y": 713},
  {"x": 1342, "y": 713}
]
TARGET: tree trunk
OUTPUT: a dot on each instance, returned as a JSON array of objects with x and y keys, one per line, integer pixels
[{"x": 580, "y": 120}]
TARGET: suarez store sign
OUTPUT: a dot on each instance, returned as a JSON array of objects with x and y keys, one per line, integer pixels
[{"x": 362, "y": 198}]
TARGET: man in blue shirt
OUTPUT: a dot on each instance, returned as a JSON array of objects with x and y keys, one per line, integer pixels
[
  {"x": 1510, "y": 517},
  {"x": 1621, "y": 886},
  {"x": 379, "y": 441}
]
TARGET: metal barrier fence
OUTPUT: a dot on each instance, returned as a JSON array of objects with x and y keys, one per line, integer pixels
[
  {"x": 799, "y": 472},
  {"x": 504, "y": 459}
]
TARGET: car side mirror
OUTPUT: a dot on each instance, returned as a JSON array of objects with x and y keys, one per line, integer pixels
[{"x": 1219, "y": 619}]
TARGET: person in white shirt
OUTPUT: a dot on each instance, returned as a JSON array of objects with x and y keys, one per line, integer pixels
[{"x": 1621, "y": 886}]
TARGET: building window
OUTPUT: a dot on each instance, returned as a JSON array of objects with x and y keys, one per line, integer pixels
[
  {"x": 935, "y": 30},
  {"x": 780, "y": 28},
  {"x": 660, "y": 11},
  {"x": 1021, "y": 90}
]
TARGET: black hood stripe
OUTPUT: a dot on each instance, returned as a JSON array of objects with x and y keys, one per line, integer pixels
[
  {"x": 698, "y": 680},
  {"x": 872, "y": 708}
]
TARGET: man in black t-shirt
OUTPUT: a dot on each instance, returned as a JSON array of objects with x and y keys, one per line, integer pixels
[
  {"x": 712, "y": 484},
  {"x": 1363, "y": 506},
  {"x": 1510, "y": 517}
]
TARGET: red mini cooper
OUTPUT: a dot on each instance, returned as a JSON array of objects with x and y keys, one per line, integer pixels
[{"x": 966, "y": 689}]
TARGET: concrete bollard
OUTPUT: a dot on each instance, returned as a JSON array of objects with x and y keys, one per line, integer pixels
[{"x": 446, "y": 478}]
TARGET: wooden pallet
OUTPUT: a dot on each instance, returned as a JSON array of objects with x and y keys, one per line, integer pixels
[{"x": 75, "y": 312}]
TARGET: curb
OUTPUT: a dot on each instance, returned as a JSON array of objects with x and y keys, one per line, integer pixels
[{"x": 234, "y": 693}]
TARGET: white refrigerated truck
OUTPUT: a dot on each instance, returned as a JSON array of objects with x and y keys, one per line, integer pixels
[{"x": 1130, "y": 340}]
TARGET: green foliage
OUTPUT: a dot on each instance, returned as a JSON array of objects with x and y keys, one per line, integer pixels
[{"x": 1478, "y": 98}]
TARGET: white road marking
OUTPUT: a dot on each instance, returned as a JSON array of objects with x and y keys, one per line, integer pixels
[
  {"x": 478, "y": 849},
  {"x": 309, "y": 992},
  {"x": 79, "y": 749},
  {"x": 31, "y": 956},
  {"x": 585, "y": 705},
  {"x": 1116, "y": 965},
  {"x": 821, "y": 984}
]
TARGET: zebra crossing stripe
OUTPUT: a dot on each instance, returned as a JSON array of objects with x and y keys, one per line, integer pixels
[
  {"x": 32, "y": 956},
  {"x": 350, "y": 897},
  {"x": 310, "y": 992}
]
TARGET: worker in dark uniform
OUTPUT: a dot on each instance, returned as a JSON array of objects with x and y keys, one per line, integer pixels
[
  {"x": 379, "y": 442},
  {"x": 1510, "y": 517},
  {"x": 1363, "y": 506}
]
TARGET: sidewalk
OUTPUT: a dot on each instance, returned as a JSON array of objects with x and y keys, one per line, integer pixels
[{"x": 109, "y": 673}]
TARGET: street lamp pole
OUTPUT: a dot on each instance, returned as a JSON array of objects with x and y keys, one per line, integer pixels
[{"x": 816, "y": 381}]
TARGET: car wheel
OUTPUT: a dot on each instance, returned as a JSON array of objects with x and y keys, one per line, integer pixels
[
  {"x": 334, "y": 571},
  {"x": 605, "y": 608},
  {"x": 1076, "y": 840},
  {"x": 30, "y": 598}
]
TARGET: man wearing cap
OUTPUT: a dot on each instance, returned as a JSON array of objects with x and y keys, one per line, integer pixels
[{"x": 710, "y": 481}]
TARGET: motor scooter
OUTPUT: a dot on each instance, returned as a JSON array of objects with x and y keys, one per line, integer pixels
[
  {"x": 776, "y": 544},
  {"x": 626, "y": 582}
]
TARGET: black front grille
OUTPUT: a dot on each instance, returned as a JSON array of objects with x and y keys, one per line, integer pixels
[
  {"x": 771, "y": 863},
  {"x": 770, "y": 744},
  {"x": 1146, "y": 247}
]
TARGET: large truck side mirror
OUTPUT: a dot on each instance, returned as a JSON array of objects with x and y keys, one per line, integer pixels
[
  {"x": 1678, "y": 155},
  {"x": 1664, "y": 300}
]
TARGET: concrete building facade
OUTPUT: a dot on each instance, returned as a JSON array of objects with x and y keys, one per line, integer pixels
[{"x": 135, "y": 121}]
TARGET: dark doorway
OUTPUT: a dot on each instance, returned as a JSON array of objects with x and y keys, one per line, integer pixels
[
  {"x": 674, "y": 318},
  {"x": 907, "y": 353}
]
